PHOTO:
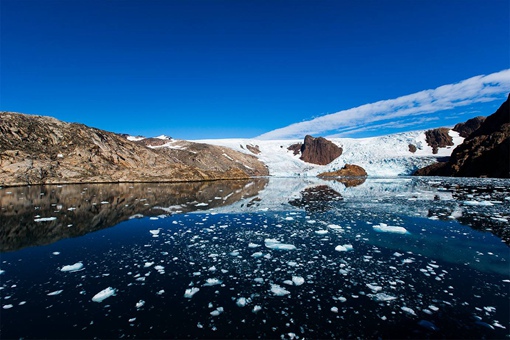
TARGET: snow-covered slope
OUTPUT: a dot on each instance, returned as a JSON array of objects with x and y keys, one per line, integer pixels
[{"x": 379, "y": 156}]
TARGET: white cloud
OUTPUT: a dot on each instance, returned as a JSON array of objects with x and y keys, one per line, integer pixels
[{"x": 478, "y": 89}]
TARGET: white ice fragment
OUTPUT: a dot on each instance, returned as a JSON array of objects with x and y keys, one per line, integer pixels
[
  {"x": 104, "y": 294},
  {"x": 253, "y": 245},
  {"x": 154, "y": 232},
  {"x": 334, "y": 226},
  {"x": 288, "y": 282},
  {"x": 321, "y": 232},
  {"x": 383, "y": 297},
  {"x": 132, "y": 320},
  {"x": 7, "y": 306},
  {"x": 479, "y": 203},
  {"x": 212, "y": 282},
  {"x": 45, "y": 219},
  {"x": 72, "y": 268},
  {"x": 345, "y": 247},
  {"x": 374, "y": 287},
  {"x": 217, "y": 311},
  {"x": 55, "y": 293},
  {"x": 256, "y": 309},
  {"x": 334, "y": 309},
  {"x": 276, "y": 245},
  {"x": 190, "y": 292},
  {"x": 140, "y": 304},
  {"x": 257, "y": 254},
  {"x": 161, "y": 292},
  {"x": 384, "y": 228},
  {"x": 298, "y": 280},
  {"x": 433, "y": 308},
  {"x": 56, "y": 253},
  {"x": 159, "y": 268},
  {"x": 2, "y": 271},
  {"x": 408, "y": 310},
  {"x": 201, "y": 204},
  {"x": 148, "y": 264},
  {"x": 241, "y": 302},
  {"x": 278, "y": 290},
  {"x": 288, "y": 218}
]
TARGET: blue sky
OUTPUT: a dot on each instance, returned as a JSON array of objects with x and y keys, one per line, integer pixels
[{"x": 218, "y": 69}]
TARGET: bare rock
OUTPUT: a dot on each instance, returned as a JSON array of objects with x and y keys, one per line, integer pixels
[
  {"x": 485, "y": 153},
  {"x": 318, "y": 150},
  {"x": 349, "y": 170},
  {"x": 253, "y": 148},
  {"x": 38, "y": 150},
  {"x": 469, "y": 126},
  {"x": 412, "y": 148},
  {"x": 438, "y": 138}
]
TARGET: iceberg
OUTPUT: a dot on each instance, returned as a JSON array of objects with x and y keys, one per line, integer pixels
[{"x": 104, "y": 294}]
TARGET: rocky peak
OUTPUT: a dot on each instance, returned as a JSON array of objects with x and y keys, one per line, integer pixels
[
  {"x": 469, "y": 126},
  {"x": 318, "y": 150},
  {"x": 438, "y": 138}
]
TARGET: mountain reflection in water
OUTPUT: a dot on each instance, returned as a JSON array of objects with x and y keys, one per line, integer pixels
[{"x": 40, "y": 215}]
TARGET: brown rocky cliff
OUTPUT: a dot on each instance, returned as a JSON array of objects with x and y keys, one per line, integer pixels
[
  {"x": 318, "y": 150},
  {"x": 485, "y": 153},
  {"x": 438, "y": 138},
  {"x": 36, "y": 150},
  {"x": 469, "y": 126}
]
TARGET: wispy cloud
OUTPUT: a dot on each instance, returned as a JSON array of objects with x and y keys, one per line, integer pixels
[{"x": 479, "y": 89}]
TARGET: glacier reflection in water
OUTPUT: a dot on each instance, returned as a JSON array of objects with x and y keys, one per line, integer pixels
[{"x": 268, "y": 258}]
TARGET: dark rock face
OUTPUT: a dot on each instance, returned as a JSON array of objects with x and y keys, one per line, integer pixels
[
  {"x": 412, "y": 148},
  {"x": 253, "y": 148},
  {"x": 485, "y": 153},
  {"x": 153, "y": 141},
  {"x": 296, "y": 148},
  {"x": 438, "y": 138},
  {"x": 39, "y": 150},
  {"x": 469, "y": 126},
  {"x": 318, "y": 151}
]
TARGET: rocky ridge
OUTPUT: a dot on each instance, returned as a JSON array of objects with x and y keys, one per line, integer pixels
[
  {"x": 38, "y": 150},
  {"x": 484, "y": 153}
]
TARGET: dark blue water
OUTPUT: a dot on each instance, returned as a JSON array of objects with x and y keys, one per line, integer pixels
[{"x": 440, "y": 279}]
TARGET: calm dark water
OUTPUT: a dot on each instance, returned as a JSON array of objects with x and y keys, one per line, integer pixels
[{"x": 277, "y": 258}]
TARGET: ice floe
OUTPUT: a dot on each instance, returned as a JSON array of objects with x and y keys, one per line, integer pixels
[
  {"x": 277, "y": 245},
  {"x": 190, "y": 292},
  {"x": 57, "y": 292},
  {"x": 384, "y": 228},
  {"x": 104, "y": 294},
  {"x": 345, "y": 247},
  {"x": 278, "y": 290},
  {"x": 73, "y": 267}
]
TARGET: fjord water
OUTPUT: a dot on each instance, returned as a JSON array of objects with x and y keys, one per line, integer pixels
[{"x": 264, "y": 258}]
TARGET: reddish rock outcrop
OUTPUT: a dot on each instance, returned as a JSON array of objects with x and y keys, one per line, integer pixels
[
  {"x": 485, "y": 153},
  {"x": 349, "y": 170},
  {"x": 412, "y": 148},
  {"x": 469, "y": 126},
  {"x": 438, "y": 138},
  {"x": 318, "y": 150}
]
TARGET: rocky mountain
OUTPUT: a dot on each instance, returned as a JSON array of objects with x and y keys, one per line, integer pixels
[
  {"x": 438, "y": 138},
  {"x": 318, "y": 150},
  {"x": 469, "y": 126},
  {"x": 36, "y": 150},
  {"x": 484, "y": 153}
]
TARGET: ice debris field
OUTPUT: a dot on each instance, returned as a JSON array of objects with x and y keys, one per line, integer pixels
[{"x": 363, "y": 267}]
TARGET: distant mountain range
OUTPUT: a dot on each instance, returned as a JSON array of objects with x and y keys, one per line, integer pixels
[{"x": 38, "y": 150}]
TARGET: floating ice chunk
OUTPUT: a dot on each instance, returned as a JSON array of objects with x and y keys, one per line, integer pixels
[
  {"x": 278, "y": 290},
  {"x": 140, "y": 304},
  {"x": 342, "y": 299},
  {"x": 148, "y": 264},
  {"x": 7, "y": 306},
  {"x": 321, "y": 232},
  {"x": 55, "y": 293},
  {"x": 276, "y": 245},
  {"x": 212, "y": 282},
  {"x": 497, "y": 324},
  {"x": 217, "y": 311},
  {"x": 334, "y": 226},
  {"x": 161, "y": 292},
  {"x": 159, "y": 268},
  {"x": 490, "y": 309},
  {"x": 433, "y": 308},
  {"x": 288, "y": 282},
  {"x": 374, "y": 287},
  {"x": 72, "y": 268},
  {"x": 154, "y": 219},
  {"x": 257, "y": 254},
  {"x": 253, "y": 245},
  {"x": 298, "y": 280},
  {"x": 56, "y": 253},
  {"x": 132, "y": 320},
  {"x": 256, "y": 309},
  {"x": 190, "y": 292},
  {"x": 408, "y": 310},
  {"x": 2, "y": 271},
  {"x": 258, "y": 280},
  {"x": 383, "y": 297},
  {"x": 334, "y": 309},
  {"x": 154, "y": 232},
  {"x": 288, "y": 218},
  {"x": 45, "y": 219},
  {"x": 427, "y": 324},
  {"x": 241, "y": 302},
  {"x": 484, "y": 324},
  {"x": 201, "y": 204},
  {"x": 104, "y": 294},
  {"x": 479, "y": 203},
  {"x": 384, "y": 228},
  {"x": 345, "y": 247}
]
